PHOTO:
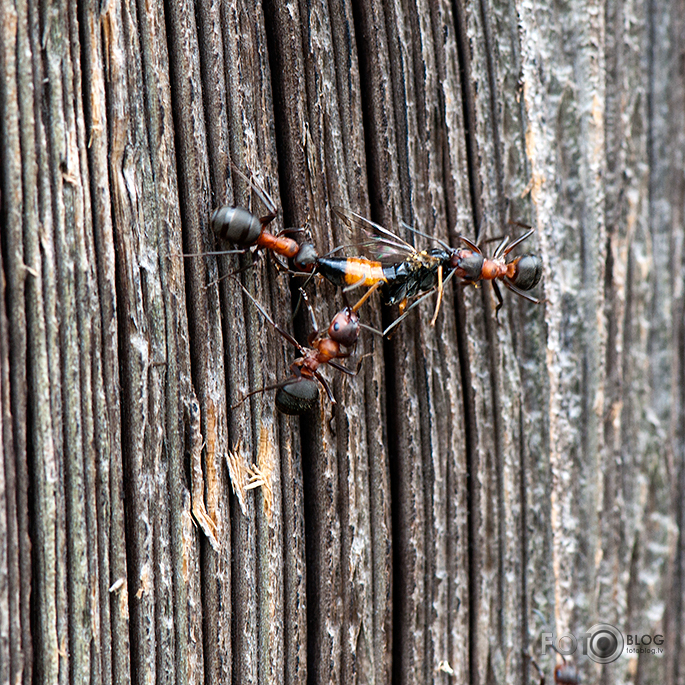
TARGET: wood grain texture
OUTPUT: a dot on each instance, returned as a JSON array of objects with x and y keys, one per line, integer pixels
[{"x": 479, "y": 482}]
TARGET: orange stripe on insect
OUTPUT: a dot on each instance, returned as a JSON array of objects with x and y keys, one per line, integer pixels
[{"x": 363, "y": 272}]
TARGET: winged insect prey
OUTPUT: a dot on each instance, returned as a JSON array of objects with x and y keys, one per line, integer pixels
[
  {"x": 407, "y": 275},
  {"x": 402, "y": 272},
  {"x": 299, "y": 392}
]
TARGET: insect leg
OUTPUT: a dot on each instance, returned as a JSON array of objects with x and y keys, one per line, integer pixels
[
  {"x": 500, "y": 301},
  {"x": 263, "y": 312},
  {"x": 268, "y": 201},
  {"x": 539, "y": 670},
  {"x": 518, "y": 240},
  {"x": 501, "y": 247},
  {"x": 344, "y": 369},
  {"x": 523, "y": 294},
  {"x": 470, "y": 244},
  {"x": 367, "y": 295},
  {"x": 325, "y": 385},
  {"x": 406, "y": 312},
  {"x": 315, "y": 332},
  {"x": 256, "y": 392},
  {"x": 437, "y": 304}
]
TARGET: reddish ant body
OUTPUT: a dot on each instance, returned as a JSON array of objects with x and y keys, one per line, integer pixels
[
  {"x": 242, "y": 227},
  {"x": 299, "y": 393},
  {"x": 564, "y": 674},
  {"x": 520, "y": 274}
]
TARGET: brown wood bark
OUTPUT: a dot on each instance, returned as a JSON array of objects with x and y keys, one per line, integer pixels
[{"x": 481, "y": 481}]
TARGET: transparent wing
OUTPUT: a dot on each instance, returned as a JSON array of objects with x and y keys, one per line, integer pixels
[{"x": 386, "y": 245}]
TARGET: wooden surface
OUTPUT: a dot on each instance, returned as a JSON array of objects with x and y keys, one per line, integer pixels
[{"x": 479, "y": 482}]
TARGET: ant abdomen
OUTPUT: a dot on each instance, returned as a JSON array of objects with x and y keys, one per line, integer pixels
[
  {"x": 297, "y": 396},
  {"x": 236, "y": 225},
  {"x": 528, "y": 271}
]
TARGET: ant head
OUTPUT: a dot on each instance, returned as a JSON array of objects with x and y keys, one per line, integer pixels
[
  {"x": 236, "y": 225},
  {"x": 528, "y": 271},
  {"x": 344, "y": 328},
  {"x": 305, "y": 259},
  {"x": 297, "y": 396},
  {"x": 467, "y": 263}
]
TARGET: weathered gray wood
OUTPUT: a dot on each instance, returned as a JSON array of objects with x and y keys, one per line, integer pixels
[
  {"x": 16, "y": 538},
  {"x": 478, "y": 482}
]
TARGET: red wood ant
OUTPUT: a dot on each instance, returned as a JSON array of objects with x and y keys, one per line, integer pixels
[
  {"x": 240, "y": 226},
  {"x": 299, "y": 393},
  {"x": 520, "y": 274},
  {"x": 564, "y": 674}
]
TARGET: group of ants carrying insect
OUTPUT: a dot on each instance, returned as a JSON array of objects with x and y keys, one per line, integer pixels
[{"x": 404, "y": 276}]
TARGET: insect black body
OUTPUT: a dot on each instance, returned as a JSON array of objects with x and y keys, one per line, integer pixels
[{"x": 413, "y": 274}]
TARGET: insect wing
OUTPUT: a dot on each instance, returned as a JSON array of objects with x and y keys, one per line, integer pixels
[{"x": 389, "y": 248}]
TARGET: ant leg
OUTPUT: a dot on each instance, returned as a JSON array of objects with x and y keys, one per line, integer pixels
[
  {"x": 500, "y": 301},
  {"x": 501, "y": 247},
  {"x": 522, "y": 294},
  {"x": 325, "y": 385},
  {"x": 233, "y": 273},
  {"x": 280, "y": 266},
  {"x": 268, "y": 201},
  {"x": 263, "y": 312},
  {"x": 470, "y": 244},
  {"x": 292, "y": 229},
  {"x": 494, "y": 239},
  {"x": 518, "y": 240},
  {"x": 256, "y": 392},
  {"x": 267, "y": 219},
  {"x": 344, "y": 369},
  {"x": 212, "y": 254},
  {"x": 539, "y": 670},
  {"x": 513, "y": 222},
  {"x": 302, "y": 287},
  {"x": 315, "y": 332}
]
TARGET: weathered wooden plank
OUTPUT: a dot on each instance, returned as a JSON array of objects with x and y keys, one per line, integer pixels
[
  {"x": 16, "y": 462},
  {"x": 479, "y": 481},
  {"x": 106, "y": 399}
]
